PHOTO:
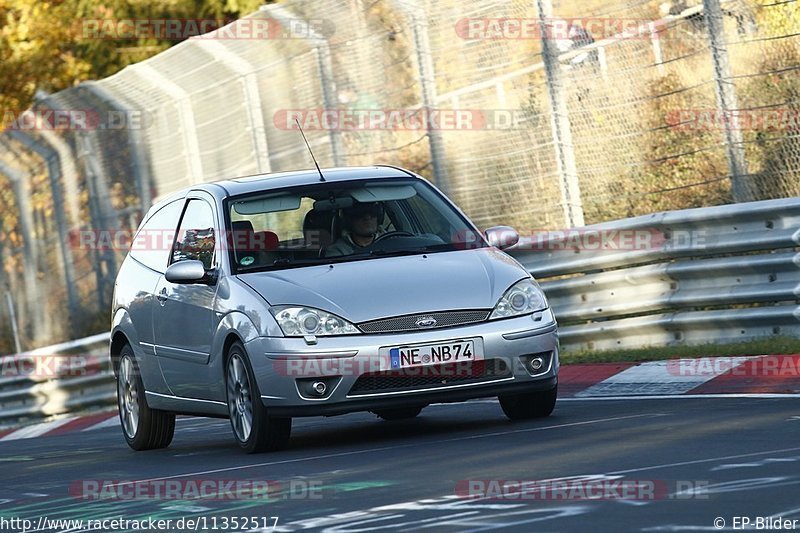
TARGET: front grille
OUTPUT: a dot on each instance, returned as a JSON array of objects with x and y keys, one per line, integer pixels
[
  {"x": 430, "y": 377},
  {"x": 444, "y": 319}
]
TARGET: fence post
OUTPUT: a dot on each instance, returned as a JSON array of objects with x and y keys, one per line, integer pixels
[
  {"x": 246, "y": 71},
  {"x": 727, "y": 103},
  {"x": 183, "y": 102},
  {"x": 54, "y": 172},
  {"x": 322, "y": 51},
  {"x": 13, "y": 317},
  {"x": 427, "y": 80},
  {"x": 571, "y": 203},
  {"x": 30, "y": 269},
  {"x": 102, "y": 216},
  {"x": 139, "y": 161}
]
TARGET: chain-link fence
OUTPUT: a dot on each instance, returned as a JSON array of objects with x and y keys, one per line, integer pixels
[{"x": 540, "y": 114}]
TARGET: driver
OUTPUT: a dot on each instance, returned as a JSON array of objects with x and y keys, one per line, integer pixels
[{"x": 361, "y": 228}]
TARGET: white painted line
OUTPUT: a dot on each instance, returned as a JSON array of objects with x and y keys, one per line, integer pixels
[
  {"x": 36, "y": 430},
  {"x": 700, "y": 461},
  {"x": 387, "y": 448},
  {"x": 790, "y": 512},
  {"x": 681, "y": 528}
]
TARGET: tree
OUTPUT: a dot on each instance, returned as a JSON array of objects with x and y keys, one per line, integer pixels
[{"x": 47, "y": 44}]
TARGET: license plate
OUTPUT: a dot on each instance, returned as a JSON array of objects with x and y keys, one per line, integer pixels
[{"x": 434, "y": 354}]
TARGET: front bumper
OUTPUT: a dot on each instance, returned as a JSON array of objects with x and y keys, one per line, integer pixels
[{"x": 284, "y": 367}]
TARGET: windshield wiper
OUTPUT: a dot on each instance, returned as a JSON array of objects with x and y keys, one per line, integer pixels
[
  {"x": 284, "y": 262},
  {"x": 387, "y": 253},
  {"x": 411, "y": 251}
]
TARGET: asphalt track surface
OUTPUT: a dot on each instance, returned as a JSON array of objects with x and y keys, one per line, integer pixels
[{"x": 714, "y": 458}]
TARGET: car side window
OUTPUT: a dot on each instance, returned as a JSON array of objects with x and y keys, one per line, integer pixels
[
  {"x": 195, "y": 239},
  {"x": 152, "y": 244}
]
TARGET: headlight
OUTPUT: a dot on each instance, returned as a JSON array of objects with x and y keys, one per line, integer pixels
[
  {"x": 300, "y": 321},
  {"x": 523, "y": 298}
]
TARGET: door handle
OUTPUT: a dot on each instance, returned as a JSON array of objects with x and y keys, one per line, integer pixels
[{"x": 162, "y": 296}]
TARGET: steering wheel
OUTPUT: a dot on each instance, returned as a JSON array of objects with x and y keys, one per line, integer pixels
[{"x": 389, "y": 235}]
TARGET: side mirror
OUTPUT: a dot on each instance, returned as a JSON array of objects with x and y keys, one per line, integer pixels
[
  {"x": 190, "y": 271},
  {"x": 502, "y": 237}
]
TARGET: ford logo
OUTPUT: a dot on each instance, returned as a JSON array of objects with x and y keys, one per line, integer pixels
[{"x": 426, "y": 322}]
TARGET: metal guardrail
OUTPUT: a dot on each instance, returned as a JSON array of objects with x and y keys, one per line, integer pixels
[
  {"x": 719, "y": 274},
  {"x": 54, "y": 380}
]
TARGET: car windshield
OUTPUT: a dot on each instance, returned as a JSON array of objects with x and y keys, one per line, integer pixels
[{"x": 350, "y": 221}]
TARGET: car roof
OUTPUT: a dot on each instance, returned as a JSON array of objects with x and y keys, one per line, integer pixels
[{"x": 260, "y": 182}]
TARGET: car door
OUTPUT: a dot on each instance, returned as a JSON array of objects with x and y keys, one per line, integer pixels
[
  {"x": 136, "y": 285},
  {"x": 184, "y": 320}
]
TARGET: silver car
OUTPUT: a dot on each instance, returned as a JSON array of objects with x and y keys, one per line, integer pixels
[{"x": 310, "y": 293}]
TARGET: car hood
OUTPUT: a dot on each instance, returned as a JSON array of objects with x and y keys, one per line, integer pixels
[{"x": 378, "y": 288}]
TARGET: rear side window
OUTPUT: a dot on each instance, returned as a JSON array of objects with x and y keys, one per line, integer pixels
[
  {"x": 195, "y": 240},
  {"x": 153, "y": 241}
]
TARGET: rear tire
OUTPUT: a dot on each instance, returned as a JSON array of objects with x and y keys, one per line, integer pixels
[
  {"x": 143, "y": 428},
  {"x": 254, "y": 430},
  {"x": 529, "y": 405},
  {"x": 398, "y": 413}
]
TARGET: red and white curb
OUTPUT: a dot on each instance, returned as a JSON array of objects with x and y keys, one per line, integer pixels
[
  {"x": 61, "y": 426},
  {"x": 707, "y": 376},
  {"x": 764, "y": 376}
]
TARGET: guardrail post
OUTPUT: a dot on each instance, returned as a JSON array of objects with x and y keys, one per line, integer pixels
[
  {"x": 727, "y": 103},
  {"x": 571, "y": 203},
  {"x": 54, "y": 172}
]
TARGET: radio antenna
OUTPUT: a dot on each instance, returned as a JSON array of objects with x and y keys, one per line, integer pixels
[{"x": 321, "y": 177}]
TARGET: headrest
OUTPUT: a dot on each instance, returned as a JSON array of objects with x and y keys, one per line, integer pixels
[
  {"x": 317, "y": 220},
  {"x": 265, "y": 240}
]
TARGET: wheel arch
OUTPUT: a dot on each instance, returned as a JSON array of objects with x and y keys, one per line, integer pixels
[{"x": 118, "y": 341}]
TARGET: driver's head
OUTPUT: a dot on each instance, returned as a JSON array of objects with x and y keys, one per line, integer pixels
[{"x": 362, "y": 218}]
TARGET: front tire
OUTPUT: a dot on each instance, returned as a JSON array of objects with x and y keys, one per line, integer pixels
[
  {"x": 539, "y": 404},
  {"x": 254, "y": 430},
  {"x": 143, "y": 428}
]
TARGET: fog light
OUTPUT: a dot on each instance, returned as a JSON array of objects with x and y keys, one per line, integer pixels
[
  {"x": 319, "y": 387},
  {"x": 536, "y": 364}
]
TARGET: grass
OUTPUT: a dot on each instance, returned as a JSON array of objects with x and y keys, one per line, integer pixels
[{"x": 768, "y": 346}]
